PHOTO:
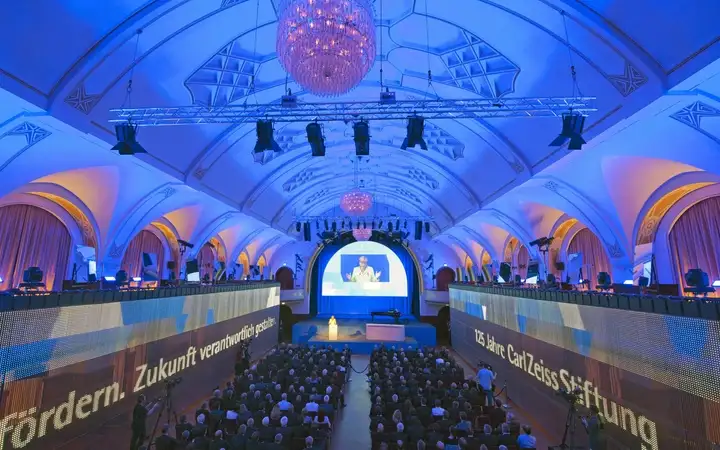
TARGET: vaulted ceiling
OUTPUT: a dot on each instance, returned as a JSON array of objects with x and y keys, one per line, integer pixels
[{"x": 68, "y": 63}]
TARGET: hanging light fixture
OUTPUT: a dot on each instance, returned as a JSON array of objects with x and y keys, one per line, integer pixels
[
  {"x": 362, "y": 234},
  {"x": 327, "y": 46},
  {"x": 356, "y": 202}
]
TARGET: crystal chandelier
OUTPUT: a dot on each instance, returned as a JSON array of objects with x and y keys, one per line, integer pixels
[
  {"x": 327, "y": 46},
  {"x": 362, "y": 234},
  {"x": 356, "y": 202}
]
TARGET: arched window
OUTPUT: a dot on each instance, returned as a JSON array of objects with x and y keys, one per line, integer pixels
[
  {"x": 595, "y": 260},
  {"x": 695, "y": 240},
  {"x": 32, "y": 237},
  {"x": 143, "y": 242}
]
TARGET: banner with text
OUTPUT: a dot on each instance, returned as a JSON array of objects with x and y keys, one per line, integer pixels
[
  {"x": 641, "y": 413},
  {"x": 96, "y": 396}
]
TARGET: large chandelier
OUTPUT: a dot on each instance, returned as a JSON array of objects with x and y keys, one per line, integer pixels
[
  {"x": 327, "y": 46},
  {"x": 362, "y": 234},
  {"x": 356, "y": 203}
]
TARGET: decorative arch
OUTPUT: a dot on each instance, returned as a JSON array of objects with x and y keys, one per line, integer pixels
[
  {"x": 661, "y": 245},
  {"x": 244, "y": 259},
  {"x": 137, "y": 217},
  {"x": 211, "y": 230},
  {"x": 77, "y": 209},
  {"x": 171, "y": 235},
  {"x": 509, "y": 248},
  {"x": 76, "y": 234},
  {"x": 220, "y": 250},
  {"x": 261, "y": 263},
  {"x": 285, "y": 276},
  {"x": 146, "y": 239},
  {"x": 664, "y": 197},
  {"x": 243, "y": 244},
  {"x": 592, "y": 245},
  {"x": 443, "y": 277},
  {"x": 49, "y": 221}
]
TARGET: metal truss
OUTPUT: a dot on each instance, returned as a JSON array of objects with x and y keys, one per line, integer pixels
[
  {"x": 363, "y": 219},
  {"x": 353, "y": 111}
]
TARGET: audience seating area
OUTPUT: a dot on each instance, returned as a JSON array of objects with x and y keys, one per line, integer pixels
[
  {"x": 421, "y": 399},
  {"x": 289, "y": 400}
]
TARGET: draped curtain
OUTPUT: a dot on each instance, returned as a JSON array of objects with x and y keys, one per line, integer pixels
[
  {"x": 144, "y": 242},
  {"x": 32, "y": 237},
  {"x": 595, "y": 260},
  {"x": 206, "y": 261},
  {"x": 523, "y": 259},
  {"x": 695, "y": 240}
]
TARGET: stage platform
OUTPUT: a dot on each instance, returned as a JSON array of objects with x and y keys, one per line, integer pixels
[{"x": 351, "y": 331}]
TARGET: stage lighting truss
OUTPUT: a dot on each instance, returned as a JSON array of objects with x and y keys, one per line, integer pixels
[
  {"x": 354, "y": 111},
  {"x": 374, "y": 222}
]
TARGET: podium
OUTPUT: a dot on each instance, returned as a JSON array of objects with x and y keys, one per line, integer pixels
[{"x": 332, "y": 329}]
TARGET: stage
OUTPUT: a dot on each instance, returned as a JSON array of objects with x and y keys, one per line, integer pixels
[{"x": 351, "y": 331}]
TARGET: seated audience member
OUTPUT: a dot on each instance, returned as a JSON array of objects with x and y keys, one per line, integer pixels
[
  {"x": 218, "y": 443},
  {"x": 503, "y": 447},
  {"x": 438, "y": 411},
  {"x": 487, "y": 437},
  {"x": 164, "y": 441},
  {"x": 526, "y": 440},
  {"x": 505, "y": 438}
]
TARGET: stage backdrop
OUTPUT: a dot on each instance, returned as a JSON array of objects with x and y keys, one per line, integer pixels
[
  {"x": 333, "y": 294},
  {"x": 655, "y": 378},
  {"x": 70, "y": 376}
]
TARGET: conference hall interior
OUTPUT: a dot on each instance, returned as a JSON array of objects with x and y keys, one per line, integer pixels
[{"x": 360, "y": 224}]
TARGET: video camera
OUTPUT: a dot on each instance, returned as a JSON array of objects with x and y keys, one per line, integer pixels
[
  {"x": 572, "y": 397},
  {"x": 172, "y": 382}
]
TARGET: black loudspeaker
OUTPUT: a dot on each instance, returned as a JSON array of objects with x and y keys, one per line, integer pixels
[
  {"x": 427, "y": 227},
  {"x": 559, "y": 265},
  {"x": 306, "y": 231},
  {"x": 171, "y": 265},
  {"x": 418, "y": 230}
]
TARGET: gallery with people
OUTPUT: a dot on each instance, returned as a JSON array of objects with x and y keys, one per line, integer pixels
[{"x": 360, "y": 225}]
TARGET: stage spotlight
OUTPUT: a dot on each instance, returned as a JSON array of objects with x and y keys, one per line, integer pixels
[
  {"x": 342, "y": 225},
  {"x": 334, "y": 226},
  {"x": 397, "y": 224},
  {"x": 390, "y": 227},
  {"x": 373, "y": 224},
  {"x": 364, "y": 224},
  {"x": 317, "y": 224},
  {"x": 358, "y": 225},
  {"x": 604, "y": 281},
  {"x": 297, "y": 226},
  {"x": 126, "y": 135},
  {"x": 415, "y": 130},
  {"x": 362, "y": 138},
  {"x": 698, "y": 282},
  {"x": 327, "y": 224},
  {"x": 572, "y": 129},
  {"x": 316, "y": 139},
  {"x": 265, "y": 140},
  {"x": 405, "y": 225},
  {"x": 380, "y": 224},
  {"x": 427, "y": 227},
  {"x": 418, "y": 230}
]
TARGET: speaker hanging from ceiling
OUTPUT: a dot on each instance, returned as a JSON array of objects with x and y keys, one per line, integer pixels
[
  {"x": 427, "y": 227},
  {"x": 418, "y": 230},
  {"x": 306, "y": 231}
]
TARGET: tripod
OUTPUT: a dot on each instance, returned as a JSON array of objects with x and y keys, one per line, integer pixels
[
  {"x": 171, "y": 413},
  {"x": 569, "y": 433}
]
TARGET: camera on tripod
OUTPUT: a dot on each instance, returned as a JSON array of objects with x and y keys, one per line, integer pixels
[
  {"x": 172, "y": 382},
  {"x": 572, "y": 397}
]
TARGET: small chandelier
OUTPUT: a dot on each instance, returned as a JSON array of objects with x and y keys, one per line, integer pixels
[
  {"x": 362, "y": 234},
  {"x": 327, "y": 46},
  {"x": 356, "y": 202}
]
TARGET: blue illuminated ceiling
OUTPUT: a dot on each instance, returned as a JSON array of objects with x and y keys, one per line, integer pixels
[{"x": 219, "y": 52}]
